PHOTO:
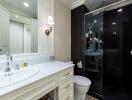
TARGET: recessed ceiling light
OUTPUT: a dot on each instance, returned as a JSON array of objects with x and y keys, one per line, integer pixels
[
  {"x": 120, "y": 10},
  {"x": 16, "y": 16},
  {"x": 113, "y": 23},
  {"x": 26, "y": 4}
]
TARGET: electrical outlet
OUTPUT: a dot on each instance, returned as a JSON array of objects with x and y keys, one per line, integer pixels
[{"x": 52, "y": 58}]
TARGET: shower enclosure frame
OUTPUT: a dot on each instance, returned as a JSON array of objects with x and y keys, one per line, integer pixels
[{"x": 103, "y": 9}]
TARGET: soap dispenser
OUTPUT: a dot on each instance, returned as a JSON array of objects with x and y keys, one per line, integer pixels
[{"x": 24, "y": 64}]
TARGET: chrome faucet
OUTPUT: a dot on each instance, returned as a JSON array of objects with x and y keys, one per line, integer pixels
[
  {"x": 9, "y": 59},
  {"x": 8, "y": 69}
]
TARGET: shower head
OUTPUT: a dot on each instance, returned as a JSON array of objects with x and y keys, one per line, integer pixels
[{"x": 95, "y": 21}]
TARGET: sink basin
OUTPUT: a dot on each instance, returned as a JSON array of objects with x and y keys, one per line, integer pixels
[{"x": 13, "y": 77}]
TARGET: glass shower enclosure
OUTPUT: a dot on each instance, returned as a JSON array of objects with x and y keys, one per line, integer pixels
[
  {"x": 93, "y": 41},
  {"x": 93, "y": 50}
]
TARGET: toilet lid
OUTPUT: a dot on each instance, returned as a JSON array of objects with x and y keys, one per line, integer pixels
[{"x": 83, "y": 81}]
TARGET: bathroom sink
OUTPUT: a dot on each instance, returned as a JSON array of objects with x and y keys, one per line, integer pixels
[{"x": 13, "y": 77}]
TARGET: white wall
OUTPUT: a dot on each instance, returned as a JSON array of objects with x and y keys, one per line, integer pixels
[
  {"x": 45, "y": 9},
  {"x": 62, "y": 41}
]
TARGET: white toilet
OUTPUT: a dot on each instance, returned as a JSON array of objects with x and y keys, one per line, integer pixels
[{"x": 82, "y": 85}]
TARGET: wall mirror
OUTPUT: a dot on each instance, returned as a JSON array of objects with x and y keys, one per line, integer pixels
[{"x": 18, "y": 26}]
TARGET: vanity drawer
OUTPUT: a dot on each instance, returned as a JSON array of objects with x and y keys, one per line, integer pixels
[
  {"x": 66, "y": 72},
  {"x": 69, "y": 97},
  {"x": 66, "y": 90},
  {"x": 66, "y": 77}
]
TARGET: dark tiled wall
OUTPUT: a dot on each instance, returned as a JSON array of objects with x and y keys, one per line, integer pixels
[
  {"x": 116, "y": 46},
  {"x": 77, "y": 32},
  {"x": 77, "y": 48}
]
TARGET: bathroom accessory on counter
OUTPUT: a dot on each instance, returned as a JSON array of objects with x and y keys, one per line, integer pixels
[
  {"x": 52, "y": 58},
  {"x": 8, "y": 63},
  {"x": 24, "y": 64},
  {"x": 79, "y": 64}
]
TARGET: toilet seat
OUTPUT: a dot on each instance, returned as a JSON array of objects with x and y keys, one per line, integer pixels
[{"x": 82, "y": 81}]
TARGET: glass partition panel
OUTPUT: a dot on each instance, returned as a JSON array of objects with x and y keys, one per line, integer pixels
[
  {"x": 93, "y": 50},
  {"x": 93, "y": 40}
]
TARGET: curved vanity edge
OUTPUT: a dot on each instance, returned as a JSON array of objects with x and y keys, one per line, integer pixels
[{"x": 46, "y": 69}]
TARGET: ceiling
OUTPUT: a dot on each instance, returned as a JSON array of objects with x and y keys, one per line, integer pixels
[
  {"x": 68, "y": 2},
  {"x": 17, "y": 5},
  {"x": 90, "y": 4}
]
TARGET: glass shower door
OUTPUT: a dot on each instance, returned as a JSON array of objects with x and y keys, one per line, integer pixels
[
  {"x": 93, "y": 51},
  {"x": 93, "y": 41}
]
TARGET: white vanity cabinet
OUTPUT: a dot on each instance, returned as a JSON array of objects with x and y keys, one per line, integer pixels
[
  {"x": 66, "y": 86},
  {"x": 61, "y": 82}
]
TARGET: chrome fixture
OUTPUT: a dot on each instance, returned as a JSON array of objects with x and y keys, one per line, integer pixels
[
  {"x": 52, "y": 58},
  {"x": 8, "y": 69},
  {"x": 9, "y": 59},
  {"x": 17, "y": 67}
]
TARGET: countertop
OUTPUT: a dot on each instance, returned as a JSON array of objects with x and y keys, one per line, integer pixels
[{"x": 45, "y": 69}]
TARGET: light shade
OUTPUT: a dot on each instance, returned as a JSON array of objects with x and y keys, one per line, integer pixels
[
  {"x": 26, "y": 4},
  {"x": 50, "y": 20}
]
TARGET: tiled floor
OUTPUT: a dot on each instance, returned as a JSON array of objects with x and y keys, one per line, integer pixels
[{"x": 91, "y": 98}]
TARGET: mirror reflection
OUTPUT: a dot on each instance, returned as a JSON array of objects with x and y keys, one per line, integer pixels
[
  {"x": 94, "y": 31},
  {"x": 18, "y": 26}
]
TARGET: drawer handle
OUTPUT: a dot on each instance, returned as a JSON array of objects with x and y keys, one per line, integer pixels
[
  {"x": 67, "y": 75},
  {"x": 67, "y": 86}
]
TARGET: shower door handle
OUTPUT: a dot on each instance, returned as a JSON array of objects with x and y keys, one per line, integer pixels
[{"x": 131, "y": 52}]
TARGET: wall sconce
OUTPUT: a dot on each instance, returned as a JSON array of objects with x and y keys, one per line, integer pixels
[{"x": 50, "y": 23}]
